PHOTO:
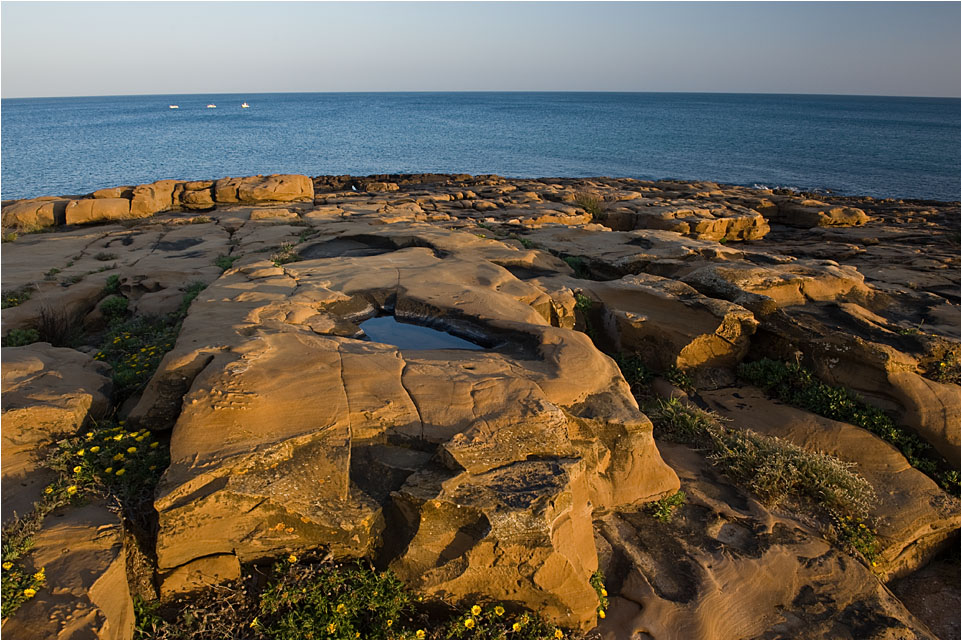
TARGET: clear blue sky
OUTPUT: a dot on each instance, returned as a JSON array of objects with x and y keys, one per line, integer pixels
[{"x": 81, "y": 49}]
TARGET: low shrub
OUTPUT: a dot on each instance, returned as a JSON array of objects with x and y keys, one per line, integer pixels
[
  {"x": 579, "y": 265},
  {"x": 286, "y": 254},
  {"x": 310, "y": 597},
  {"x": 225, "y": 262},
  {"x": 114, "y": 308},
  {"x": 795, "y": 385},
  {"x": 664, "y": 509},
  {"x": 112, "y": 286},
  {"x": 15, "y": 297},
  {"x": 775, "y": 470},
  {"x": 20, "y": 337},
  {"x": 635, "y": 371},
  {"x": 591, "y": 202},
  {"x": 105, "y": 256}
]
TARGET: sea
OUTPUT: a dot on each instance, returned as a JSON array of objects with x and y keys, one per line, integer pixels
[{"x": 850, "y": 145}]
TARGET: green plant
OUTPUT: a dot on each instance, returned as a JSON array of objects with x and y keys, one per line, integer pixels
[
  {"x": 664, "y": 509},
  {"x": 225, "y": 262},
  {"x": 635, "y": 371},
  {"x": 19, "y": 586},
  {"x": 578, "y": 264},
  {"x": 795, "y": 385},
  {"x": 343, "y": 600},
  {"x": 51, "y": 273},
  {"x": 680, "y": 379},
  {"x": 108, "y": 460},
  {"x": 114, "y": 308},
  {"x": 19, "y": 337},
  {"x": 527, "y": 244},
  {"x": 72, "y": 280},
  {"x": 16, "y": 297},
  {"x": 590, "y": 202},
  {"x": 773, "y": 469},
  {"x": 112, "y": 286},
  {"x": 583, "y": 304},
  {"x": 597, "y": 581},
  {"x": 11, "y": 237},
  {"x": 104, "y": 256},
  {"x": 286, "y": 254}
]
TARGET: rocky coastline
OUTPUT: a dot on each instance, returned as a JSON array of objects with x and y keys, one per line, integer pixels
[{"x": 648, "y": 351}]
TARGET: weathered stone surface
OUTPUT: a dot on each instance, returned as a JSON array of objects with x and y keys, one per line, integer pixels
[
  {"x": 931, "y": 409},
  {"x": 48, "y": 392},
  {"x": 89, "y": 210},
  {"x": 273, "y": 214},
  {"x": 33, "y": 214},
  {"x": 199, "y": 574},
  {"x": 726, "y": 568},
  {"x": 915, "y": 517},
  {"x": 274, "y": 188},
  {"x": 152, "y": 198},
  {"x": 803, "y": 213},
  {"x": 728, "y": 223},
  {"x": 87, "y": 597}
]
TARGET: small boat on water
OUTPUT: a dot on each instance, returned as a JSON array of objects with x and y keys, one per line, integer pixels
[
  {"x": 212, "y": 106},
  {"x": 245, "y": 106},
  {"x": 174, "y": 106}
]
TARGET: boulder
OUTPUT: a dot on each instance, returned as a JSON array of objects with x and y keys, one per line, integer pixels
[
  {"x": 90, "y": 210},
  {"x": 274, "y": 188},
  {"x": 273, "y": 214},
  {"x": 36, "y": 213},
  {"x": 796, "y": 212},
  {"x": 152, "y": 198},
  {"x": 81, "y": 550}
]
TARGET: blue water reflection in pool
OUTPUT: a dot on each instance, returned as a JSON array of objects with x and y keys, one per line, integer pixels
[{"x": 387, "y": 329}]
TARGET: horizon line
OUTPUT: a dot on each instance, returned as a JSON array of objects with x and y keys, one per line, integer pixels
[{"x": 489, "y": 91}]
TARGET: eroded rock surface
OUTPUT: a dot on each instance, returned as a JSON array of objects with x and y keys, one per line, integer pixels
[{"x": 513, "y": 471}]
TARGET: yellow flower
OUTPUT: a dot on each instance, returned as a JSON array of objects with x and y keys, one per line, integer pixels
[
  {"x": 140, "y": 438},
  {"x": 152, "y": 468},
  {"x": 40, "y": 575},
  {"x": 604, "y": 592},
  {"x": 469, "y": 623},
  {"x": 80, "y": 452},
  {"x": 48, "y": 490},
  {"x": 476, "y": 610},
  {"x": 77, "y": 470},
  {"x": 601, "y": 613},
  {"x": 121, "y": 471},
  {"x": 89, "y": 434},
  {"x": 331, "y": 628},
  {"x": 72, "y": 490},
  {"x": 155, "y": 444},
  {"x": 341, "y": 608},
  {"x": 390, "y": 622},
  {"x": 109, "y": 470},
  {"x": 516, "y": 627},
  {"x": 558, "y": 634},
  {"x": 29, "y": 593},
  {"x": 95, "y": 449},
  {"x": 419, "y": 634},
  {"x": 255, "y": 623},
  {"x": 131, "y": 450},
  {"x": 8, "y": 565},
  {"x": 119, "y": 437},
  {"x": 498, "y": 610},
  {"x": 292, "y": 559},
  {"x": 118, "y": 457}
]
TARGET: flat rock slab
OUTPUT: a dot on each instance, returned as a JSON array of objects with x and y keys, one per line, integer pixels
[{"x": 86, "y": 597}]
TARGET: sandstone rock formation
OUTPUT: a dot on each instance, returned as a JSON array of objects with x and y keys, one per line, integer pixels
[{"x": 512, "y": 471}]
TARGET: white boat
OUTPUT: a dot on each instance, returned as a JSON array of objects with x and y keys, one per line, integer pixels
[
  {"x": 174, "y": 106},
  {"x": 245, "y": 106},
  {"x": 212, "y": 106}
]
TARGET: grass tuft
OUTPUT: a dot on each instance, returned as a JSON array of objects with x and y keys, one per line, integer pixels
[
  {"x": 286, "y": 254},
  {"x": 795, "y": 385}
]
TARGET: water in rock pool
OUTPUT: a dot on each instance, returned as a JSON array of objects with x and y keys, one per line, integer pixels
[{"x": 388, "y": 330}]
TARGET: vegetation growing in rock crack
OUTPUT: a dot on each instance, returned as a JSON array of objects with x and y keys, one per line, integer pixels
[
  {"x": 591, "y": 202},
  {"x": 15, "y": 297},
  {"x": 285, "y": 254},
  {"x": 225, "y": 262},
  {"x": 18, "y": 337},
  {"x": 777, "y": 471},
  {"x": 579, "y": 265},
  {"x": 584, "y": 304},
  {"x": 795, "y": 385},
  {"x": 135, "y": 346},
  {"x": 308, "y": 596},
  {"x": 664, "y": 509},
  {"x": 635, "y": 371}
]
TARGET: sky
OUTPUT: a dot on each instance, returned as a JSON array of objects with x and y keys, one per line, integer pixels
[{"x": 121, "y": 48}]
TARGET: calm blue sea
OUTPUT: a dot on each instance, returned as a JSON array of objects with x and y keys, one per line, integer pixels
[{"x": 900, "y": 147}]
